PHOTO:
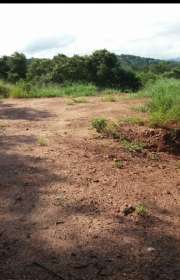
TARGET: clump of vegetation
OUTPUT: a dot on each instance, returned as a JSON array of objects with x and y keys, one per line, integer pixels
[
  {"x": 132, "y": 146},
  {"x": 141, "y": 209},
  {"x": 141, "y": 108},
  {"x": 80, "y": 100},
  {"x": 99, "y": 124},
  {"x": 132, "y": 120},
  {"x": 21, "y": 89},
  {"x": 153, "y": 156},
  {"x": 112, "y": 130},
  {"x": 107, "y": 128},
  {"x": 69, "y": 101},
  {"x": 110, "y": 98},
  {"x": 4, "y": 90},
  {"x": 75, "y": 100},
  {"x": 164, "y": 106},
  {"x": 42, "y": 141},
  {"x": 111, "y": 91},
  {"x": 27, "y": 90},
  {"x": 119, "y": 163}
]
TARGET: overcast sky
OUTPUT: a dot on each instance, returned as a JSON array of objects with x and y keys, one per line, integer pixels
[{"x": 43, "y": 30}]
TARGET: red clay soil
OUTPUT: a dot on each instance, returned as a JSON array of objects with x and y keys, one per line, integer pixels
[{"x": 61, "y": 203}]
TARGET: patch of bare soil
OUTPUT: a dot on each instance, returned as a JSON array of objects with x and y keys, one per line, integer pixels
[{"x": 62, "y": 200}]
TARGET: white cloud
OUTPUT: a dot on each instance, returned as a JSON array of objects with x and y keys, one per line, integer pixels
[{"x": 43, "y": 30}]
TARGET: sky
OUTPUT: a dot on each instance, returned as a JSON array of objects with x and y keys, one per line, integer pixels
[{"x": 44, "y": 30}]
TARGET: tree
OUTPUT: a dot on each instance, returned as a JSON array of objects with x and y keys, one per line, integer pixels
[
  {"x": 40, "y": 70},
  {"x": 100, "y": 66},
  {"x": 17, "y": 67},
  {"x": 4, "y": 67}
]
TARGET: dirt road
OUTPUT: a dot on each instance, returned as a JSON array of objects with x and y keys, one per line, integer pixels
[{"x": 62, "y": 197}]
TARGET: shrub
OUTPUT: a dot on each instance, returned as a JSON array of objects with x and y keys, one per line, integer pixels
[
  {"x": 4, "y": 90},
  {"x": 112, "y": 130},
  {"x": 99, "y": 124}
]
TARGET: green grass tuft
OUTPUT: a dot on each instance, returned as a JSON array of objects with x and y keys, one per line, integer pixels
[
  {"x": 4, "y": 90},
  {"x": 99, "y": 124},
  {"x": 42, "y": 141},
  {"x": 141, "y": 210},
  {"x": 110, "y": 98},
  {"x": 132, "y": 146},
  {"x": 119, "y": 163},
  {"x": 132, "y": 120}
]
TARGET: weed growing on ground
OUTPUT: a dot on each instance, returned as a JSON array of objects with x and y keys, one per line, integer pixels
[
  {"x": 141, "y": 209},
  {"x": 109, "y": 98},
  {"x": 99, "y": 124},
  {"x": 119, "y": 163},
  {"x": 141, "y": 108},
  {"x": 112, "y": 130},
  {"x": 42, "y": 141},
  {"x": 132, "y": 120},
  {"x": 132, "y": 146},
  {"x": 153, "y": 156},
  {"x": 75, "y": 100}
]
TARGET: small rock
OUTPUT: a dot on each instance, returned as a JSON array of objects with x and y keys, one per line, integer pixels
[
  {"x": 18, "y": 198},
  {"x": 151, "y": 249},
  {"x": 96, "y": 181},
  {"x": 28, "y": 235},
  {"x": 59, "y": 222},
  {"x": 128, "y": 210},
  {"x": 73, "y": 254}
]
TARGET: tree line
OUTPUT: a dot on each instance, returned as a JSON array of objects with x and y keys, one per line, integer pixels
[{"x": 101, "y": 68}]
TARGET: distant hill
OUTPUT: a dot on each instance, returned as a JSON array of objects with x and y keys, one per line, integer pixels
[
  {"x": 134, "y": 62},
  {"x": 177, "y": 59}
]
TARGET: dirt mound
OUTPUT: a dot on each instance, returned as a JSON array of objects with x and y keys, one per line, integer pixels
[{"x": 155, "y": 139}]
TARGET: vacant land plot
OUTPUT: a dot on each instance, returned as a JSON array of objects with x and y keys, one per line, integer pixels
[{"x": 74, "y": 205}]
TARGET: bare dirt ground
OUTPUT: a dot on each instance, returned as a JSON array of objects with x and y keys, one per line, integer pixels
[{"x": 61, "y": 205}]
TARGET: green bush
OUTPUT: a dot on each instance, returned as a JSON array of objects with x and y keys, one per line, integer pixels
[
  {"x": 164, "y": 106},
  {"x": 4, "y": 90},
  {"x": 99, "y": 124}
]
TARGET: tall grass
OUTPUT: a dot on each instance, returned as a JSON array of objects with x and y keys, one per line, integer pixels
[
  {"x": 164, "y": 104},
  {"x": 4, "y": 89},
  {"x": 22, "y": 90}
]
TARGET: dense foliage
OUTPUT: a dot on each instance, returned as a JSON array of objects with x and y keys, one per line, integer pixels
[{"x": 102, "y": 68}]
